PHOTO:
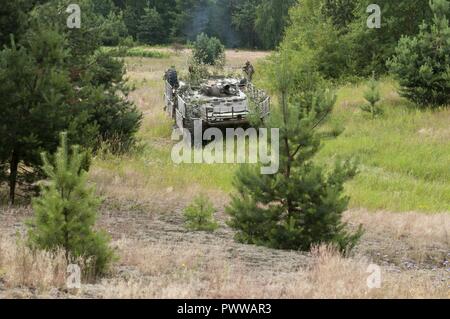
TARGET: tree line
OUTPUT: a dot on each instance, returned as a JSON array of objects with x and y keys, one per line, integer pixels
[
  {"x": 245, "y": 23},
  {"x": 256, "y": 24}
]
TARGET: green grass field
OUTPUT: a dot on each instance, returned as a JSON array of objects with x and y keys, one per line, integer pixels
[{"x": 404, "y": 155}]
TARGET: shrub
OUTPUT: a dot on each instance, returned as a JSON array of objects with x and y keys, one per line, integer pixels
[
  {"x": 66, "y": 212},
  {"x": 200, "y": 215},
  {"x": 136, "y": 52},
  {"x": 422, "y": 63},
  {"x": 142, "y": 53},
  {"x": 208, "y": 50}
]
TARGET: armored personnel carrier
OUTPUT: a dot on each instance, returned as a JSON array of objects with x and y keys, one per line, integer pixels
[{"x": 216, "y": 101}]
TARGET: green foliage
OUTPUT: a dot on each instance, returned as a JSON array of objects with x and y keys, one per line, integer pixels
[
  {"x": 344, "y": 47},
  {"x": 143, "y": 53},
  {"x": 235, "y": 23},
  {"x": 371, "y": 48},
  {"x": 150, "y": 28},
  {"x": 208, "y": 50},
  {"x": 151, "y": 22},
  {"x": 13, "y": 19},
  {"x": 271, "y": 20},
  {"x": 109, "y": 18},
  {"x": 422, "y": 63},
  {"x": 341, "y": 12},
  {"x": 66, "y": 211},
  {"x": 244, "y": 17},
  {"x": 113, "y": 29},
  {"x": 372, "y": 96},
  {"x": 139, "y": 52},
  {"x": 197, "y": 73},
  {"x": 132, "y": 14},
  {"x": 302, "y": 204},
  {"x": 33, "y": 87},
  {"x": 200, "y": 215},
  {"x": 311, "y": 30}
]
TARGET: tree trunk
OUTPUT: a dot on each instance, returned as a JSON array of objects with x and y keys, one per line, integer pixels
[
  {"x": 288, "y": 149},
  {"x": 13, "y": 165}
]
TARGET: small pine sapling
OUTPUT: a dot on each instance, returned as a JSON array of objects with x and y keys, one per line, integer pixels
[
  {"x": 66, "y": 212},
  {"x": 199, "y": 215},
  {"x": 372, "y": 96}
]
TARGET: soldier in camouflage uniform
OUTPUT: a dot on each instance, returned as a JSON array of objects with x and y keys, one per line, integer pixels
[{"x": 249, "y": 70}]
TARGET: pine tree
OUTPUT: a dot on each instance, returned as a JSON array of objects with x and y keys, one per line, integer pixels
[
  {"x": 13, "y": 19},
  {"x": 150, "y": 29},
  {"x": 66, "y": 211},
  {"x": 55, "y": 79},
  {"x": 372, "y": 96},
  {"x": 134, "y": 9},
  {"x": 33, "y": 87},
  {"x": 301, "y": 205},
  {"x": 422, "y": 63}
]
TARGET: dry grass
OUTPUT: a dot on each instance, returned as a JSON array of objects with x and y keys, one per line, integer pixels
[
  {"x": 184, "y": 265},
  {"x": 185, "y": 272},
  {"x": 422, "y": 228},
  {"x": 37, "y": 270},
  {"x": 411, "y": 240}
]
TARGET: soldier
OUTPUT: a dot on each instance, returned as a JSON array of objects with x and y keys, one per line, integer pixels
[
  {"x": 249, "y": 70},
  {"x": 171, "y": 76}
]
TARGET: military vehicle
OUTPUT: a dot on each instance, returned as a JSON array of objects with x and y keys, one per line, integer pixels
[{"x": 216, "y": 101}]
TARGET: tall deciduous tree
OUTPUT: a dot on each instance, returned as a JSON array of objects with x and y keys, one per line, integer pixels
[
  {"x": 371, "y": 48},
  {"x": 338, "y": 33},
  {"x": 244, "y": 19},
  {"x": 272, "y": 18}
]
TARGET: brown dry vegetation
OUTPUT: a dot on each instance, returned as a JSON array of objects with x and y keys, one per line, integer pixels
[
  {"x": 160, "y": 259},
  {"x": 144, "y": 198}
]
